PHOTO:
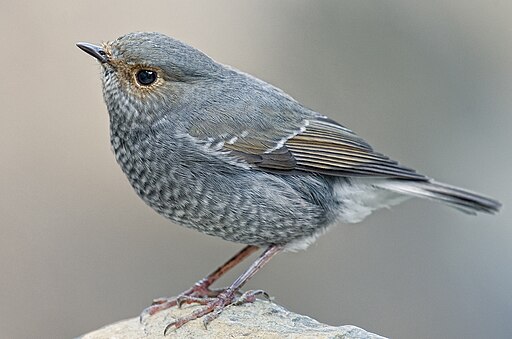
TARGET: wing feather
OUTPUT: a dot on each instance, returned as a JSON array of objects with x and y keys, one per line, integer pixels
[{"x": 318, "y": 145}]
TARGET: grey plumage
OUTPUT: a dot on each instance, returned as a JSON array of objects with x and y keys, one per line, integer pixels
[
  {"x": 217, "y": 150},
  {"x": 222, "y": 152}
]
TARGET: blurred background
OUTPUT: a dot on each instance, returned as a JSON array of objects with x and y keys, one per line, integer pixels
[{"x": 427, "y": 83}]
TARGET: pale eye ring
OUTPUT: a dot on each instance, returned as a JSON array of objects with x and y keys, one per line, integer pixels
[{"x": 146, "y": 77}]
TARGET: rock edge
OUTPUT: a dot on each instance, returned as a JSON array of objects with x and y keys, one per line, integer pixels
[{"x": 261, "y": 319}]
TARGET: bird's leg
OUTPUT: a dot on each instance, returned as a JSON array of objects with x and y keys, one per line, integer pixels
[
  {"x": 200, "y": 291},
  {"x": 214, "y": 306}
]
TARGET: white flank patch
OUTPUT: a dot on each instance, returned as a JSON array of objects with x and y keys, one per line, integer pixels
[
  {"x": 302, "y": 244},
  {"x": 361, "y": 197},
  {"x": 358, "y": 200}
]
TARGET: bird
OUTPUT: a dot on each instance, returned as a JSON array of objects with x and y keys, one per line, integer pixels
[{"x": 222, "y": 152}]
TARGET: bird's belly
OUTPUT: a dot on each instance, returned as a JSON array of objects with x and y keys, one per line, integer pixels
[{"x": 257, "y": 209}]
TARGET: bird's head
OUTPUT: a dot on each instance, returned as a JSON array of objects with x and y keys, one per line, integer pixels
[{"x": 149, "y": 75}]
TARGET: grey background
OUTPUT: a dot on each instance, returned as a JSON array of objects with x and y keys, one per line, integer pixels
[{"x": 427, "y": 83}]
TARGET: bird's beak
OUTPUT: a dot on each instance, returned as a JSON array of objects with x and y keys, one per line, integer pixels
[{"x": 95, "y": 51}]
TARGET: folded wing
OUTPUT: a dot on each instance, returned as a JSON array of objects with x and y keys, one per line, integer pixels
[{"x": 318, "y": 145}]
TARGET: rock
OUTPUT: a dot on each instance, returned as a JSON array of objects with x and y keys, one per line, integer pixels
[{"x": 261, "y": 319}]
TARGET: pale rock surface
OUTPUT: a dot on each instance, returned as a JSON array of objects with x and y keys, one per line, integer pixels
[{"x": 261, "y": 319}]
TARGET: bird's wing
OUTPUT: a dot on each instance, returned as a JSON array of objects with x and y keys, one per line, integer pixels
[{"x": 317, "y": 144}]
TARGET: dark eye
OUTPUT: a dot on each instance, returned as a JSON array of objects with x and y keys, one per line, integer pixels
[{"x": 145, "y": 77}]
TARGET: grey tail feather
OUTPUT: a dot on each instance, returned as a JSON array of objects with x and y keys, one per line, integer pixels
[{"x": 461, "y": 199}]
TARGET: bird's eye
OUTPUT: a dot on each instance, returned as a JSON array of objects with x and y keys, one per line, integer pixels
[{"x": 146, "y": 77}]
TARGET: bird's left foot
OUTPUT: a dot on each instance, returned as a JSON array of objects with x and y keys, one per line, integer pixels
[{"x": 213, "y": 307}]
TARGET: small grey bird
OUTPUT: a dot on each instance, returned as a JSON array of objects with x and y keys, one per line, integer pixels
[{"x": 222, "y": 152}]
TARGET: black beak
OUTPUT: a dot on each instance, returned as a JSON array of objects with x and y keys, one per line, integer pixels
[{"x": 95, "y": 51}]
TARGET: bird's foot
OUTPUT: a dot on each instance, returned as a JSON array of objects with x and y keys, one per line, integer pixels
[
  {"x": 213, "y": 306},
  {"x": 199, "y": 293}
]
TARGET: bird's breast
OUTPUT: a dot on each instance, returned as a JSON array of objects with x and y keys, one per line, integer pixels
[{"x": 198, "y": 192}]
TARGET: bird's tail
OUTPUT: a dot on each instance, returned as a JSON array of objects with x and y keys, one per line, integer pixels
[{"x": 461, "y": 199}]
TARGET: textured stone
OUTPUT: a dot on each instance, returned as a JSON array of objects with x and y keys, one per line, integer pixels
[{"x": 261, "y": 319}]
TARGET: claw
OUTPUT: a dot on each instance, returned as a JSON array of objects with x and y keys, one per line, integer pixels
[
  {"x": 180, "y": 300},
  {"x": 266, "y": 296},
  {"x": 158, "y": 301},
  {"x": 212, "y": 316},
  {"x": 143, "y": 315},
  {"x": 250, "y": 297},
  {"x": 168, "y": 327}
]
